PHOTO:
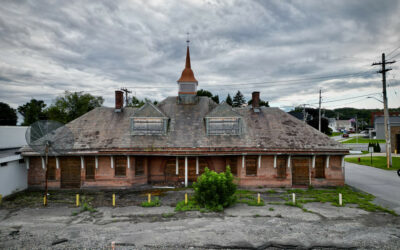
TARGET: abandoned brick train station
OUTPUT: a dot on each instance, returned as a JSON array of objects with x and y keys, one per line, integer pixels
[{"x": 173, "y": 142}]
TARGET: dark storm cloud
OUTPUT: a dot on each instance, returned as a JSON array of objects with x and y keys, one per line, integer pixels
[{"x": 97, "y": 46}]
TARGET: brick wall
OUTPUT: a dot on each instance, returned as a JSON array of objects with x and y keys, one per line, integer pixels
[{"x": 266, "y": 174}]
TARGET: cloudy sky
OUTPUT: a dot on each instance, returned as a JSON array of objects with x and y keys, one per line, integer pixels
[{"x": 288, "y": 50}]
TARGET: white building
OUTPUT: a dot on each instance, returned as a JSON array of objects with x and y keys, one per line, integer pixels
[{"x": 13, "y": 172}]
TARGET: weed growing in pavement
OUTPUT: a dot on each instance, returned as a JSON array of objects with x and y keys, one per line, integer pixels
[
  {"x": 167, "y": 215},
  {"x": 87, "y": 207},
  {"x": 350, "y": 196},
  {"x": 271, "y": 209},
  {"x": 153, "y": 203},
  {"x": 250, "y": 200}
]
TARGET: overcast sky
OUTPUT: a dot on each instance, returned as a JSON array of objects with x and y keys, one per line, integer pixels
[{"x": 47, "y": 47}]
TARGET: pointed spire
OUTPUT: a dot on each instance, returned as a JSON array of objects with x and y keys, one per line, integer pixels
[{"x": 187, "y": 73}]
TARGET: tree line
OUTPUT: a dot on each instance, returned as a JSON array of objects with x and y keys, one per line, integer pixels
[
  {"x": 72, "y": 105},
  {"x": 64, "y": 109}
]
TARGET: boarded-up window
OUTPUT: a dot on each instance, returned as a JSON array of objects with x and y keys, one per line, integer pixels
[
  {"x": 232, "y": 163},
  {"x": 120, "y": 165},
  {"x": 139, "y": 166},
  {"x": 148, "y": 126},
  {"x": 90, "y": 167},
  {"x": 251, "y": 165},
  {"x": 320, "y": 167},
  {"x": 51, "y": 171},
  {"x": 223, "y": 126},
  {"x": 281, "y": 164}
]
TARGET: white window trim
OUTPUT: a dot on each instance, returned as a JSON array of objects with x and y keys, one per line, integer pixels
[
  {"x": 313, "y": 161},
  {"x": 197, "y": 165},
  {"x": 186, "y": 171},
  {"x": 289, "y": 160},
  {"x": 177, "y": 166},
  {"x": 128, "y": 160},
  {"x": 57, "y": 162},
  {"x": 43, "y": 163},
  {"x": 275, "y": 158},
  {"x": 259, "y": 161},
  {"x": 112, "y": 161},
  {"x": 82, "y": 162},
  {"x": 243, "y": 161},
  {"x": 327, "y": 161},
  {"x": 96, "y": 161}
]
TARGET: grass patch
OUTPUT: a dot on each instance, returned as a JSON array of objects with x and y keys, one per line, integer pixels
[
  {"x": 271, "y": 209},
  {"x": 155, "y": 202},
  {"x": 167, "y": 215},
  {"x": 87, "y": 207},
  {"x": 190, "y": 206},
  {"x": 377, "y": 162},
  {"x": 363, "y": 140},
  {"x": 349, "y": 196},
  {"x": 335, "y": 134},
  {"x": 248, "y": 198},
  {"x": 271, "y": 191}
]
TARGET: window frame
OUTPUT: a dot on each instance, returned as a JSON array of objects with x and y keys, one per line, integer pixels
[
  {"x": 119, "y": 166},
  {"x": 87, "y": 160},
  {"x": 213, "y": 122},
  {"x": 251, "y": 158},
  {"x": 319, "y": 170},
  {"x": 143, "y": 164},
  {"x": 146, "y": 122},
  {"x": 281, "y": 169},
  {"x": 234, "y": 160}
]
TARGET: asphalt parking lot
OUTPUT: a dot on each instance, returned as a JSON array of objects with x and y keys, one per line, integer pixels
[{"x": 315, "y": 226}]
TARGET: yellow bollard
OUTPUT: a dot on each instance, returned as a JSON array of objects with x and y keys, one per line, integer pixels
[
  {"x": 395, "y": 151},
  {"x": 113, "y": 200},
  {"x": 258, "y": 198},
  {"x": 44, "y": 200},
  {"x": 186, "y": 199},
  {"x": 149, "y": 198},
  {"x": 77, "y": 200}
]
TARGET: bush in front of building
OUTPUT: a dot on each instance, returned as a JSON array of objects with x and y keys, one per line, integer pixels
[{"x": 215, "y": 191}]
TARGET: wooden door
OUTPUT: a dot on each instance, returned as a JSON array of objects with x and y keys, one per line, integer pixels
[
  {"x": 70, "y": 172},
  {"x": 300, "y": 171}
]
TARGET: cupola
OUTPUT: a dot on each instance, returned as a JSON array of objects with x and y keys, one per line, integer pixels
[{"x": 187, "y": 83}]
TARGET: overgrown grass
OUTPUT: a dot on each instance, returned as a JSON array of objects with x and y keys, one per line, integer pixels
[
  {"x": 349, "y": 196},
  {"x": 377, "y": 162},
  {"x": 363, "y": 140},
  {"x": 248, "y": 198},
  {"x": 335, "y": 134},
  {"x": 155, "y": 202},
  {"x": 192, "y": 205}
]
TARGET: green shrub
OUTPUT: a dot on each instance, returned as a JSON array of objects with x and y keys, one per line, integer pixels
[
  {"x": 215, "y": 191},
  {"x": 153, "y": 203}
]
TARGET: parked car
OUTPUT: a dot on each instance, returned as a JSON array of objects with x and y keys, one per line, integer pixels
[{"x": 345, "y": 135}]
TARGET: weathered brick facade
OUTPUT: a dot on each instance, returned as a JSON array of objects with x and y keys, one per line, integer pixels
[{"x": 154, "y": 173}]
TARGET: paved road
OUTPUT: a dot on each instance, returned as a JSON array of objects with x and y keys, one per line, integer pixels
[{"x": 385, "y": 185}]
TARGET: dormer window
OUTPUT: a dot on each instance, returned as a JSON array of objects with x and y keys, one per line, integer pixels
[
  {"x": 149, "y": 126},
  {"x": 223, "y": 125}
]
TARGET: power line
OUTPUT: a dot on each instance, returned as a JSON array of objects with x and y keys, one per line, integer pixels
[{"x": 393, "y": 51}]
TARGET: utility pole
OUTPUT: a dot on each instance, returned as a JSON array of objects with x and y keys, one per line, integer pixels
[
  {"x": 319, "y": 112},
  {"x": 385, "y": 108},
  {"x": 304, "y": 114},
  {"x": 356, "y": 130},
  {"x": 126, "y": 95}
]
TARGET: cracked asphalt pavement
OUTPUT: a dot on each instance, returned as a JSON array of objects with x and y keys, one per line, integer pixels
[{"x": 239, "y": 227}]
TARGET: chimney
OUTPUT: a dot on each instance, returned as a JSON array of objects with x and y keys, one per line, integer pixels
[
  {"x": 255, "y": 101},
  {"x": 119, "y": 100}
]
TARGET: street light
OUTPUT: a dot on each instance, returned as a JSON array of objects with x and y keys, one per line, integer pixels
[{"x": 388, "y": 143}]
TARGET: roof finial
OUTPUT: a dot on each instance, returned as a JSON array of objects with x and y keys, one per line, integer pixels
[{"x": 187, "y": 40}]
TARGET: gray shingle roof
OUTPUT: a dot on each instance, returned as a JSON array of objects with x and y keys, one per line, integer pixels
[{"x": 269, "y": 130}]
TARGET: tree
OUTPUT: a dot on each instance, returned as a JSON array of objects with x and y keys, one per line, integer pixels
[
  {"x": 238, "y": 100},
  {"x": 135, "y": 102},
  {"x": 32, "y": 111},
  {"x": 8, "y": 115},
  {"x": 324, "y": 125},
  {"x": 215, "y": 98},
  {"x": 203, "y": 92},
  {"x": 73, "y": 105},
  {"x": 262, "y": 103},
  {"x": 229, "y": 100}
]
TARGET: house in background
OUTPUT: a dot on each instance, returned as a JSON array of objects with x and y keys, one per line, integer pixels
[
  {"x": 344, "y": 125},
  {"x": 174, "y": 141},
  {"x": 13, "y": 174},
  {"x": 332, "y": 124},
  {"x": 394, "y": 122}
]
